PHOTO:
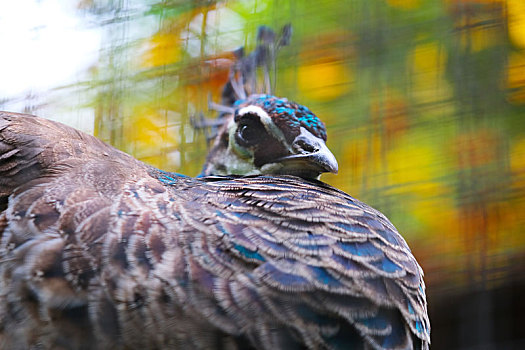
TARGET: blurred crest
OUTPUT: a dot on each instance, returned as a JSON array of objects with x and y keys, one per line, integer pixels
[{"x": 251, "y": 74}]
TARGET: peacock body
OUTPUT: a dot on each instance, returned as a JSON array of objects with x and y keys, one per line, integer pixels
[{"x": 101, "y": 251}]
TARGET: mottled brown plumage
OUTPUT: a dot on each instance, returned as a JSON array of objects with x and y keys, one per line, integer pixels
[{"x": 101, "y": 251}]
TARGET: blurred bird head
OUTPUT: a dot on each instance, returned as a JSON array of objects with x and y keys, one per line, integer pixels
[{"x": 264, "y": 134}]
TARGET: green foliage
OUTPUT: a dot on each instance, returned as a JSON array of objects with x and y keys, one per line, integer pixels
[{"x": 423, "y": 100}]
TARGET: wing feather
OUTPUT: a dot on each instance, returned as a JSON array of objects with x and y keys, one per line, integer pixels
[{"x": 98, "y": 246}]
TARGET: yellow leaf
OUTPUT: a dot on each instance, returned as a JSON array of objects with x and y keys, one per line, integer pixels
[
  {"x": 324, "y": 81},
  {"x": 414, "y": 167},
  {"x": 516, "y": 21},
  {"x": 404, "y": 4},
  {"x": 428, "y": 62},
  {"x": 164, "y": 49},
  {"x": 516, "y": 78},
  {"x": 147, "y": 132},
  {"x": 443, "y": 222},
  {"x": 517, "y": 161}
]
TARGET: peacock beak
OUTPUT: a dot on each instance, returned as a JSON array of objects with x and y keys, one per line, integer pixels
[{"x": 311, "y": 154}]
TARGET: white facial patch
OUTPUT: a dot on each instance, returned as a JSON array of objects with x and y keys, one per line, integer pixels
[{"x": 266, "y": 120}]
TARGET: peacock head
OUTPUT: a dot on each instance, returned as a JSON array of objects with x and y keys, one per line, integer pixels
[{"x": 265, "y": 134}]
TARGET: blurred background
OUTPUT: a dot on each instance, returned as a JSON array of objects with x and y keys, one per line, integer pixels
[{"x": 424, "y": 101}]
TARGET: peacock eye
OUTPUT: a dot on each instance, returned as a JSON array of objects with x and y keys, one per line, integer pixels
[
  {"x": 249, "y": 132},
  {"x": 246, "y": 134}
]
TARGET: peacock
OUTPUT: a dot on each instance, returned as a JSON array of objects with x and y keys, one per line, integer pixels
[{"x": 101, "y": 251}]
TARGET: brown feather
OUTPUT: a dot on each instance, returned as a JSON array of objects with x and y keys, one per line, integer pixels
[{"x": 101, "y": 251}]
